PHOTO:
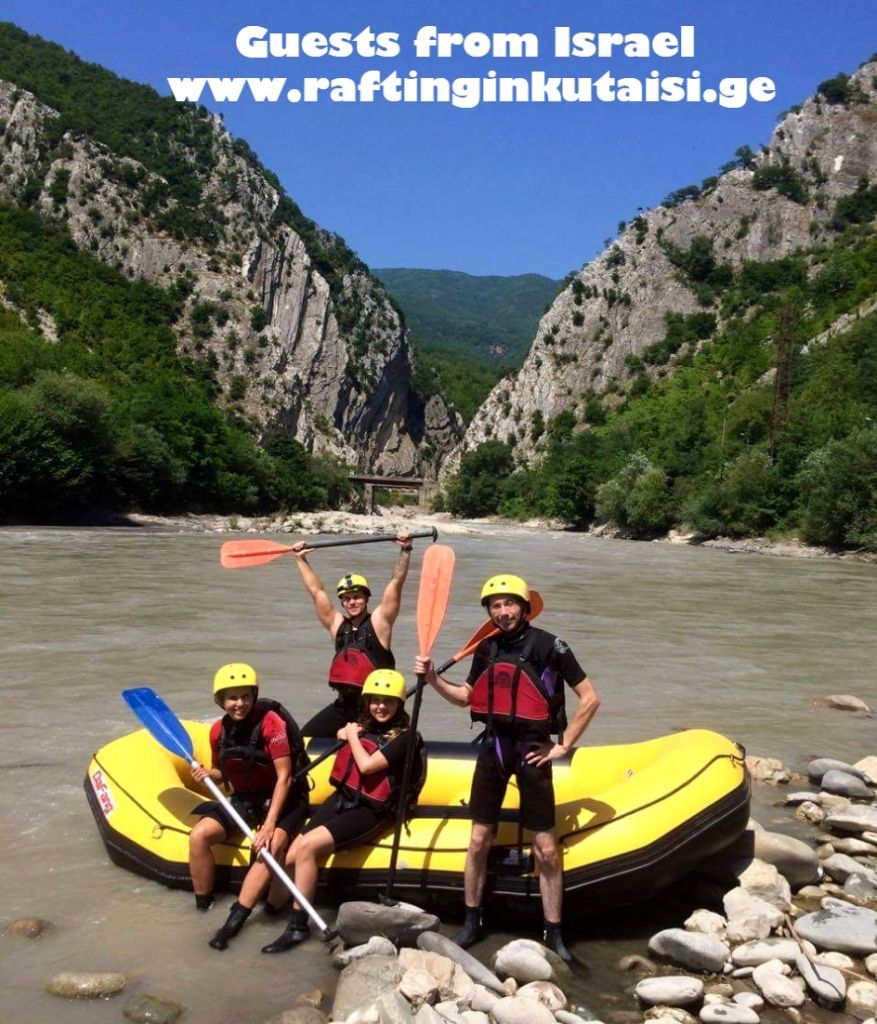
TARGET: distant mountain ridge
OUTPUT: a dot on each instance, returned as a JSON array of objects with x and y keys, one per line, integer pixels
[
  {"x": 468, "y": 330},
  {"x": 490, "y": 319}
]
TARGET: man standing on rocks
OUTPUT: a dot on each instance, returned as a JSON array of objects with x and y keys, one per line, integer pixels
[
  {"x": 516, "y": 688},
  {"x": 362, "y": 638}
]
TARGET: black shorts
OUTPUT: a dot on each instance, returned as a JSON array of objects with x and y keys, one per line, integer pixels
[
  {"x": 346, "y": 707},
  {"x": 253, "y": 812},
  {"x": 490, "y": 781},
  {"x": 349, "y": 825}
]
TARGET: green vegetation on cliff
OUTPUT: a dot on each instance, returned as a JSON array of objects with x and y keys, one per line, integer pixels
[
  {"x": 108, "y": 414},
  {"x": 174, "y": 140},
  {"x": 768, "y": 427},
  {"x": 468, "y": 331}
]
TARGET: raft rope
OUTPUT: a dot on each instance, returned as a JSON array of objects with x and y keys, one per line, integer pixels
[{"x": 737, "y": 759}]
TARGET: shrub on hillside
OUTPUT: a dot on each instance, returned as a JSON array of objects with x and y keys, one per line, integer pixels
[
  {"x": 837, "y": 487},
  {"x": 476, "y": 490},
  {"x": 637, "y": 498},
  {"x": 742, "y": 503}
]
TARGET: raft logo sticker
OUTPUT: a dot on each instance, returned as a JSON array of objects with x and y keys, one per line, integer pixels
[{"x": 103, "y": 792}]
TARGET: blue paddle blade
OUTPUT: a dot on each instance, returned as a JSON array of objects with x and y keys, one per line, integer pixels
[{"x": 159, "y": 720}]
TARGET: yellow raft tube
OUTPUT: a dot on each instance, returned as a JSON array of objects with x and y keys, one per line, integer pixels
[{"x": 631, "y": 819}]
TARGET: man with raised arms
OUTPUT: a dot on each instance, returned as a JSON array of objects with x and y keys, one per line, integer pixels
[
  {"x": 362, "y": 638},
  {"x": 516, "y": 688}
]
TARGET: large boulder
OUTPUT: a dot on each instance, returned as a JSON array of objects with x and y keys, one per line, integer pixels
[
  {"x": 146, "y": 1009},
  {"x": 752, "y": 954},
  {"x": 853, "y": 819},
  {"x": 28, "y": 928},
  {"x": 840, "y": 866},
  {"x": 827, "y": 984},
  {"x": 842, "y": 927},
  {"x": 359, "y": 920},
  {"x": 777, "y": 989},
  {"x": 545, "y": 992},
  {"x": 526, "y": 960},
  {"x": 435, "y": 942},
  {"x": 846, "y": 784},
  {"x": 520, "y": 1010},
  {"x": 363, "y": 981},
  {"x": 749, "y": 917},
  {"x": 693, "y": 950},
  {"x": 728, "y": 1013},
  {"x": 377, "y": 945},
  {"x": 670, "y": 990},
  {"x": 820, "y": 765},
  {"x": 86, "y": 984},
  {"x": 795, "y": 860}
]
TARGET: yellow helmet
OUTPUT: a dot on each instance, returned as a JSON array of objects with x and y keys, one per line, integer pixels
[
  {"x": 352, "y": 581},
  {"x": 498, "y": 585},
  {"x": 384, "y": 682},
  {"x": 234, "y": 675}
]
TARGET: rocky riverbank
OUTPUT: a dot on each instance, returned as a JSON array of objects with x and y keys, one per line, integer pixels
[
  {"x": 390, "y": 520},
  {"x": 791, "y": 928}
]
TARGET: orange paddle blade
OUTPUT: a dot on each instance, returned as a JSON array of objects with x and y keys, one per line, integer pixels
[
  {"x": 238, "y": 554},
  {"x": 536, "y": 605},
  {"x": 436, "y": 575}
]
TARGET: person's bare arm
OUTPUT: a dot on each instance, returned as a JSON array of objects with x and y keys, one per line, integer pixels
[
  {"x": 329, "y": 616},
  {"x": 387, "y": 611},
  {"x": 366, "y": 762},
  {"x": 455, "y": 693},
  {"x": 587, "y": 708}
]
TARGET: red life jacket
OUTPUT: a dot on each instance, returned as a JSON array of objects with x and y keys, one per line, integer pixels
[
  {"x": 376, "y": 789},
  {"x": 511, "y": 689},
  {"x": 245, "y": 758},
  {"x": 358, "y": 652}
]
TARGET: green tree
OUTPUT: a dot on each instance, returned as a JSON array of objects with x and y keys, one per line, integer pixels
[
  {"x": 637, "y": 497},
  {"x": 838, "y": 491},
  {"x": 476, "y": 490},
  {"x": 742, "y": 503}
]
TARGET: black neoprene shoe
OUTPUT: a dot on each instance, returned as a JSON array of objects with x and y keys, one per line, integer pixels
[
  {"x": 553, "y": 940},
  {"x": 205, "y": 902},
  {"x": 295, "y": 932},
  {"x": 470, "y": 933},
  {"x": 233, "y": 924}
]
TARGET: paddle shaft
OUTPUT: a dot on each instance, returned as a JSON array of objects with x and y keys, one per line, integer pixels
[
  {"x": 406, "y": 788},
  {"x": 267, "y": 856},
  {"x": 369, "y": 540}
]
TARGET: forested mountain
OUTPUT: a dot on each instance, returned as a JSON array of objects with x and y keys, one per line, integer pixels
[
  {"x": 717, "y": 365},
  {"x": 468, "y": 330},
  {"x": 287, "y": 334}
]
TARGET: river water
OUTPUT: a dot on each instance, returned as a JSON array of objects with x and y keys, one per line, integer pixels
[{"x": 673, "y": 637}]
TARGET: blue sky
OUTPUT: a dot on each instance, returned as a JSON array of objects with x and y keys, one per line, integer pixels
[{"x": 497, "y": 189}]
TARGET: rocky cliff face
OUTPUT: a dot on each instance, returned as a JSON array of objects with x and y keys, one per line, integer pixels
[
  {"x": 617, "y": 306},
  {"x": 331, "y": 365}
]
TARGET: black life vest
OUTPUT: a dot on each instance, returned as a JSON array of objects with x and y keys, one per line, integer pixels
[
  {"x": 511, "y": 689},
  {"x": 245, "y": 755},
  {"x": 358, "y": 652},
  {"x": 378, "y": 790}
]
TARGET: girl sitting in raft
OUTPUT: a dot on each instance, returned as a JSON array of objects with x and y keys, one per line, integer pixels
[
  {"x": 367, "y": 773},
  {"x": 254, "y": 746}
]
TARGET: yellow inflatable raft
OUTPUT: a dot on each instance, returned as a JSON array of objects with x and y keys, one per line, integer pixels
[{"x": 631, "y": 819}]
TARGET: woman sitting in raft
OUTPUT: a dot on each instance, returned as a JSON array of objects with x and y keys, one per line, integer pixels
[
  {"x": 255, "y": 747},
  {"x": 368, "y": 776}
]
